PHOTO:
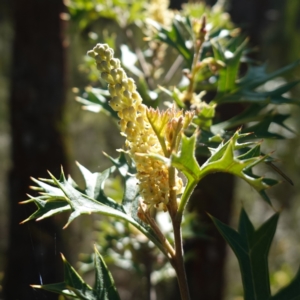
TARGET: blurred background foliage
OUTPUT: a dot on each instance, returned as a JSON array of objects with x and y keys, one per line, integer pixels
[{"x": 274, "y": 30}]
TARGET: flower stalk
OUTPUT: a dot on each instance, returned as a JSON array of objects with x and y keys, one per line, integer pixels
[{"x": 196, "y": 65}]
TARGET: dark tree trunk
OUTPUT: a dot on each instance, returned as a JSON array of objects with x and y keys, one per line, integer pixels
[
  {"x": 36, "y": 103},
  {"x": 205, "y": 268}
]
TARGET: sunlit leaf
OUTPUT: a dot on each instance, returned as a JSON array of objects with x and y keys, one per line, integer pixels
[
  {"x": 81, "y": 202},
  {"x": 177, "y": 36},
  {"x": 224, "y": 159}
]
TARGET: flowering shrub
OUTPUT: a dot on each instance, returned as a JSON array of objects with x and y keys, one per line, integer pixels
[{"x": 158, "y": 164}]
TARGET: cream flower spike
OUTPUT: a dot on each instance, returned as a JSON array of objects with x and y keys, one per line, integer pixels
[{"x": 148, "y": 132}]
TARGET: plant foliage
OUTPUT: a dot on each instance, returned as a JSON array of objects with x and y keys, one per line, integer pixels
[{"x": 211, "y": 67}]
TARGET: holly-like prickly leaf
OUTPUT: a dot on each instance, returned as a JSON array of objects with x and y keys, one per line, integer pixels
[
  {"x": 186, "y": 162},
  {"x": 59, "y": 195},
  {"x": 229, "y": 74},
  {"x": 46, "y": 209},
  {"x": 251, "y": 248},
  {"x": 95, "y": 186},
  {"x": 254, "y": 113},
  {"x": 261, "y": 129},
  {"x": 104, "y": 284},
  {"x": 224, "y": 159},
  {"x": 122, "y": 165},
  {"x": 177, "y": 36},
  {"x": 131, "y": 187},
  {"x": 74, "y": 286},
  {"x": 245, "y": 89}
]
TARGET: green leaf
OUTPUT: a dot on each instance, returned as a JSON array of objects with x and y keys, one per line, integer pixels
[
  {"x": 177, "y": 36},
  {"x": 205, "y": 116},
  {"x": 224, "y": 159},
  {"x": 46, "y": 209},
  {"x": 58, "y": 288},
  {"x": 105, "y": 288},
  {"x": 74, "y": 286},
  {"x": 122, "y": 164},
  {"x": 131, "y": 187},
  {"x": 95, "y": 186},
  {"x": 256, "y": 75},
  {"x": 261, "y": 129},
  {"x": 81, "y": 202},
  {"x": 186, "y": 162},
  {"x": 245, "y": 89},
  {"x": 229, "y": 74},
  {"x": 158, "y": 122},
  {"x": 251, "y": 248},
  {"x": 254, "y": 113}
]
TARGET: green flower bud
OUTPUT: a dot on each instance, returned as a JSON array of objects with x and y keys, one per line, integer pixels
[
  {"x": 115, "y": 63},
  {"x": 107, "y": 77}
]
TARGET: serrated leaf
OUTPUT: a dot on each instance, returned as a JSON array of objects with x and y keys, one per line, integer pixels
[
  {"x": 80, "y": 203},
  {"x": 229, "y": 74},
  {"x": 254, "y": 113},
  {"x": 73, "y": 284},
  {"x": 131, "y": 192},
  {"x": 224, "y": 159},
  {"x": 131, "y": 187},
  {"x": 177, "y": 36},
  {"x": 58, "y": 288},
  {"x": 48, "y": 189},
  {"x": 95, "y": 186},
  {"x": 246, "y": 87},
  {"x": 158, "y": 122},
  {"x": 251, "y": 248},
  {"x": 122, "y": 164},
  {"x": 186, "y": 161},
  {"x": 257, "y": 75},
  {"x": 75, "y": 287},
  {"x": 46, "y": 208},
  {"x": 104, "y": 288},
  {"x": 261, "y": 129}
]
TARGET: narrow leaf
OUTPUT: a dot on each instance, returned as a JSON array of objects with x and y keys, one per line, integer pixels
[
  {"x": 104, "y": 284},
  {"x": 251, "y": 248}
]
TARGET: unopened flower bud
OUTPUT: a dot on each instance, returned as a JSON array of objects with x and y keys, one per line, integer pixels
[
  {"x": 115, "y": 63},
  {"x": 91, "y": 53},
  {"x": 107, "y": 77},
  {"x": 104, "y": 66},
  {"x": 115, "y": 103}
]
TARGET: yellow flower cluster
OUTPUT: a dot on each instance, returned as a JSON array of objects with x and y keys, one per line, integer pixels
[{"x": 144, "y": 129}]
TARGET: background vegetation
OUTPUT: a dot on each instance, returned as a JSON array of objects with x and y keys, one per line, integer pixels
[{"x": 274, "y": 28}]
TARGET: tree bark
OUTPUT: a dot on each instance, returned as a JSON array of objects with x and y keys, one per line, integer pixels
[
  {"x": 206, "y": 256},
  {"x": 36, "y": 102}
]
